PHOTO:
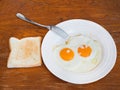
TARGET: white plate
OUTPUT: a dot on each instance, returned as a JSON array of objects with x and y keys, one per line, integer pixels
[{"x": 84, "y": 27}]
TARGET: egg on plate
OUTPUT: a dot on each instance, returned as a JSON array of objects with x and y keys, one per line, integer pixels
[{"x": 78, "y": 54}]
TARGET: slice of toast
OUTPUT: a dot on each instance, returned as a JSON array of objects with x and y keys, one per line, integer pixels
[{"x": 24, "y": 52}]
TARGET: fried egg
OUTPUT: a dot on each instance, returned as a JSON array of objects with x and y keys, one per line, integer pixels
[{"x": 78, "y": 54}]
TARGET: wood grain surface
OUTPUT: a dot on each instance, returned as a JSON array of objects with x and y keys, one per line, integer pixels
[{"x": 51, "y": 12}]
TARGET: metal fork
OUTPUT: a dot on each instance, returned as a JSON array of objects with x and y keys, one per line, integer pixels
[{"x": 53, "y": 28}]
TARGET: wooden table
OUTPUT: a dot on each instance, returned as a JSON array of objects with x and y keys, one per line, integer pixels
[{"x": 104, "y": 12}]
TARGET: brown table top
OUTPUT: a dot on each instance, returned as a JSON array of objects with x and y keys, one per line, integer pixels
[{"x": 104, "y": 12}]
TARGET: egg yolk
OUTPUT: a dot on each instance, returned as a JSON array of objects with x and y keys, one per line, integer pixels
[
  {"x": 66, "y": 54},
  {"x": 84, "y": 51}
]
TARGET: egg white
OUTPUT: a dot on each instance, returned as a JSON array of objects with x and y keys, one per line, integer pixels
[{"x": 79, "y": 63}]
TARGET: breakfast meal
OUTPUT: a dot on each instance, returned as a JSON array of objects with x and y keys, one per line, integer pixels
[
  {"x": 78, "y": 54},
  {"x": 72, "y": 48},
  {"x": 24, "y": 52}
]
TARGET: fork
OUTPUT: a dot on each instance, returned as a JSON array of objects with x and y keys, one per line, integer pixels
[{"x": 53, "y": 28}]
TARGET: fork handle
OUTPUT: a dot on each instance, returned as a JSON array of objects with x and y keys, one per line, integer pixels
[{"x": 21, "y": 16}]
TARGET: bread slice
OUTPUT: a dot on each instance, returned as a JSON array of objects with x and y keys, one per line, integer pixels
[{"x": 24, "y": 52}]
